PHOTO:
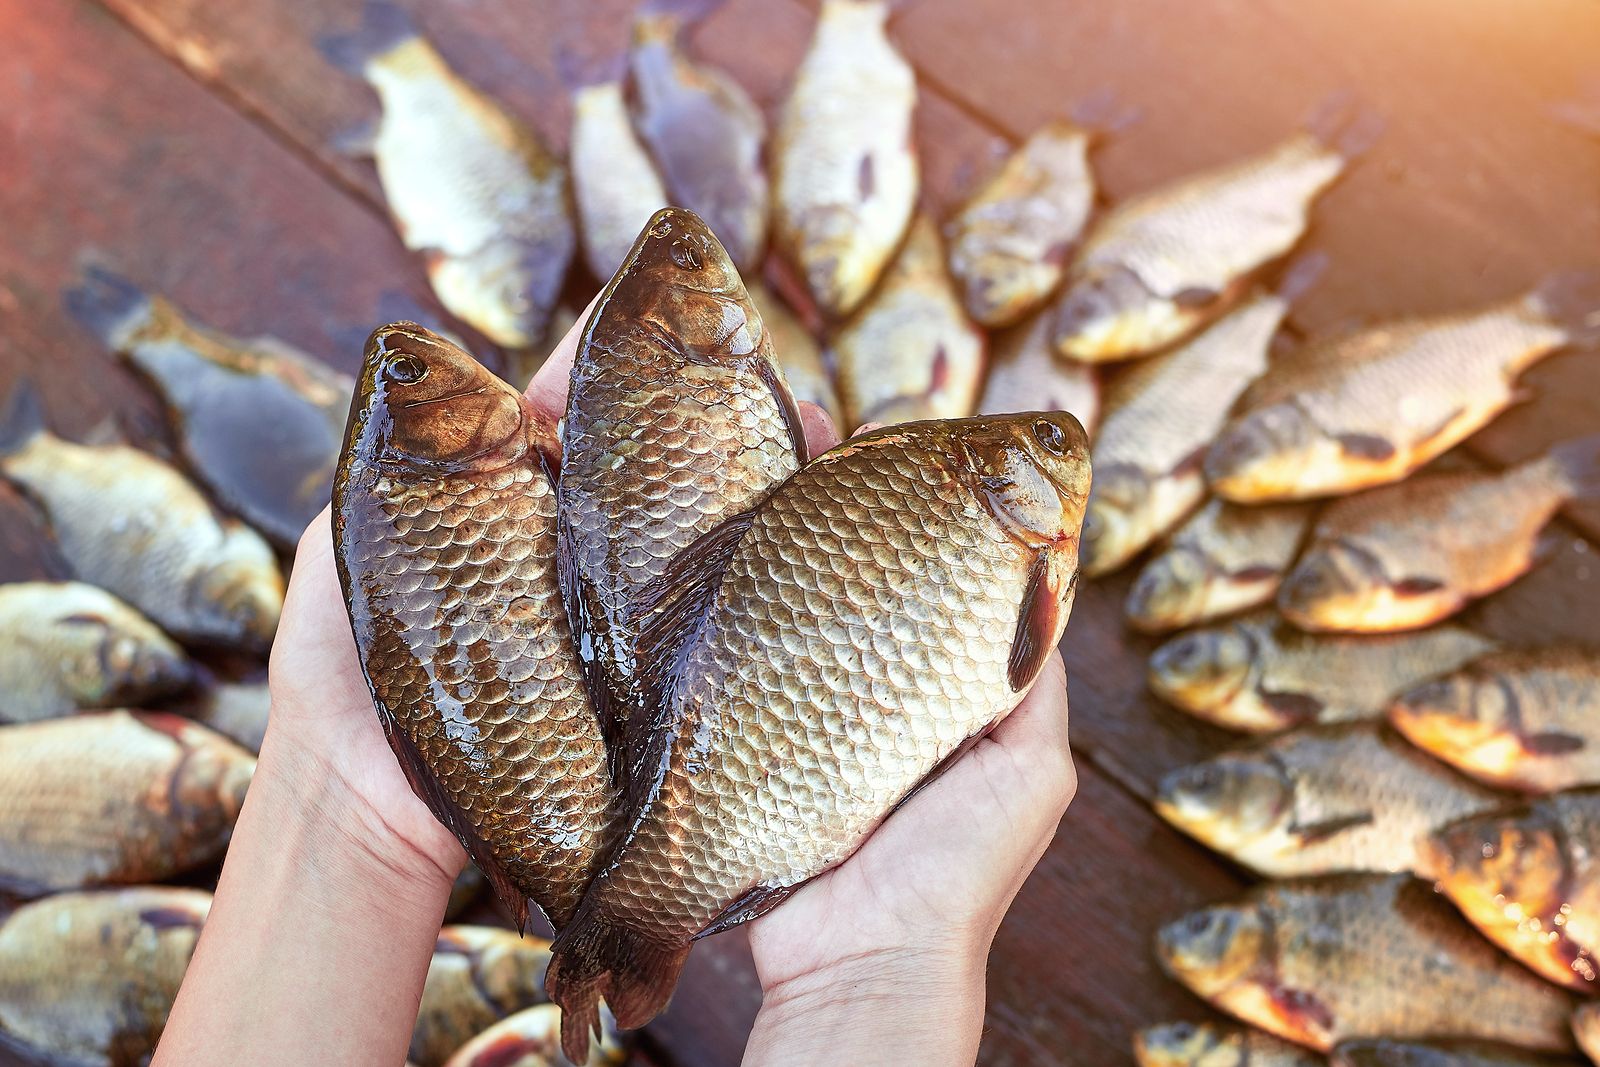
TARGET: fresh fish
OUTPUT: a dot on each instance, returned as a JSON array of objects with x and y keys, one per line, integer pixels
[
  {"x": 910, "y": 353},
  {"x": 1369, "y": 407},
  {"x": 1205, "y": 1045},
  {"x": 258, "y": 422},
  {"x": 1345, "y": 797},
  {"x": 445, "y": 529},
  {"x": 1159, "y": 417},
  {"x": 1024, "y": 373},
  {"x": 1521, "y": 719},
  {"x": 614, "y": 182},
  {"x": 1009, "y": 242},
  {"x": 1161, "y": 265},
  {"x": 798, "y": 354},
  {"x": 532, "y": 1038},
  {"x": 66, "y": 646},
  {"x": 237, "y": 710},
  {"x": 1529, "y": 878},
  {"x": 706, "y": 134},
  {"x": 1408, "y": 555},
  {"x": 1327, "y": 960},
  {"x": 1224, "y": 560},
  {"x": 1260, "y": 674},
  {"x": 942, "y": 559},
  {"x": 478, "y": 976},
  {"x": 846, "y": 175},
  {"x": 108, "y": 798},
  {"x": 470, "y": 187},
  {"x": 1586, "y": 1028},
  {"x": 131, "y": 524},
  {"x": 678, "y": 418},
  {"x": 1380, "y": 1052},
  {"x": 87, "y": 979}
]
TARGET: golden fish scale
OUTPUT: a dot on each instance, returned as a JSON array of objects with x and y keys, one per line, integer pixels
[
  {"x": 478, "y": 976},
  {"x": 798, "y": 354},
  {"x": 110, "y": 798},
  {"x": 471, "y": 655},
  {"x": 855, "y": 643}
]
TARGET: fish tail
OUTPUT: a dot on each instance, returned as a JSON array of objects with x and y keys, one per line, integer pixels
[
  {"x": 109, "y": 304},
  {"x": 1346, "y": 125},
  {"x": 23, "y": 418},
  {"x": 1577, "y": 464},
  {"x": 384, "y": 24},
  {"x": 594, "y": 958},
  {"x": 1571, "y": 300}
]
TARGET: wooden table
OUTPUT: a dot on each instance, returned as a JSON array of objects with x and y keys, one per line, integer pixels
[{"x": 189, "y": 145}]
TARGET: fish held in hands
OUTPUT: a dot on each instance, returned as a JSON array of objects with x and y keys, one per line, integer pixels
[
  {"x": 479, "y": 975},
  {"x": 133, "y": 525},
  {"x": 445, "y": 538},
  {"x": 614, "y": 183},
  {"x": 943, "y": 557},
  {"x": 470, "y": 186},
  {"x": 66, "y": 646},
  {"x": 1024, "y": 374},
  {"x": 1404, "y": 556},
  {"x": 1519, "y": 719},
  {"x": 845, "y": 173},
  {"x": 1206, "y": 1045}
]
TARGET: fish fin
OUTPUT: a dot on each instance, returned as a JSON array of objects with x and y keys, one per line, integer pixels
[
  {"x": 1416, "y": 585},
  {"x": 1101, "y": 112},
  {"x": 754, "y": 903},
  {"x": 359, "y": 140},
  {"x": 609, "y": 712},
  {"x": 1037, "y": 620},
  {"x": 1577, "y": 461},
  {"x": 775, "y": 381},
  {"x": 594, "y": 958},
  {"x": 1256, "y": 572},
  {"x": 1553, "y": 743},
  {"x": 108, "y": 304},
  {"x": 1296, "y": 706},
  {"x": 384, "y": 24},
  {"x": 1302, "y": 275},
  {"x": 1196, "y": 296},
  {"x": 1344, "y": 124},
  {"x": 431, "y": 793},
  {"x": 23, "y": 419},
  {"x": 15, "y": 1052},
  {"x": 1366, "y": 446},
  {"x": 170, "y": 918},
  {"x": 967, "y": 745},
  {"x": 1302, "y": 1010},
  {"x": 1571, "y": 300},
  {"x": 1314, "y": 833}
]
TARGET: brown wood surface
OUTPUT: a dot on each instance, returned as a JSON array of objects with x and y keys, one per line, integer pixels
[{"x": 190, "y": 144}]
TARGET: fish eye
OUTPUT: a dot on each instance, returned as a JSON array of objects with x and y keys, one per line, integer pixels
[
  {"x": 405, "y": 370},
  {"x": 685, "y": 255},
  {"x": 1051, "y": 436}
]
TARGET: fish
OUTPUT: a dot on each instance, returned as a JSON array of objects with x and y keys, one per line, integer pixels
[
  {"x": 705, "y": 133},
  {"x": 1225, "y": 559},
  {"x": 615, "y": 184},
  {"x": 1405, "y": 556},
  {"x": 910, "y": 353},
  {"x": 1327, "y": 960},
  {"x": 479, "y": 975},
  {"x": 1321, "y": 800},
  {"x": 1010, "y": 240},
  {"x": 1159, "y": 417},
  {"x": 799, "y": 356},
  {"x": 845, "y": 174},
  {"x": 1207, "y": 1045},
  {"x": 1528, "y": 877},
  {"x": 941, "y": 561},
  {"x": 531, "y": 1038},
  {"x": 257, "y": 421},
  {"x": 1586, "y": 1029},
  {"x": 678, "y": 417},
  {"x": 1380, "y": 1052},
  {"x": 133, "y": 525},
  {"x": 444, "y": 518},
  {"x": 1259, "y": 674},
  {"x": 88, "y": 978},
  {"x": 112, "y": 798},
  {"x": 236, "y": 710},
  {"x": 1024, "y": 374},
  {"x": 1163, "y": 264},
  {"x": 1517, "y": 719},
  {"x": 471, "y": 188},
  {"x": 66, "y": 646},
  {"x": 1369, "y": 407}
]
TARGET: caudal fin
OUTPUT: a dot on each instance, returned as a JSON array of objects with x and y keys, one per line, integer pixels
[
  {"x": 384, "y": 24},
  {"x": 1578, "y": 462},
  {"x": 109, "y": 304},
  {"x": 23, "y": 419},
  {"x": 594, "y": 959},
  {"x": 1572, "y": 301}
]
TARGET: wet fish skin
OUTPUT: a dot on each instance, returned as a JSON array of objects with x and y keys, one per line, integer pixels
[
  {"x": 1205, "y": 1045},
  {"x": 532, "y": 1038},
  {"x": 1327, "y": 960},
  {"x": 89, "y": 977},
  {"x": 845, "y": 174},
  {"x": 798, "y": 353},
  {"x": 1260, "y": 674},
  {"x": 66, "y": 646},
  {"x": 445, "y": 529},
  {"x": 1404, "y": 556},
  {"x": 134, "y": 526},
  {"x": 910, "y": 353},
  {"x": 1518, "y": 719},
  {"x": 706, "y": 134},
  {"x": 614, "y": 182},
  {"x": 1529, "y": 879},
  {"x": 1321, "y": 800},
  {"x": 257, "y": 421},
  {"x": 115, "y": 797},
  {"x": 730, "y": 826},
  {"x": 1223, "y": 560},
  {"x": 1159, "y": 417},
  {"x": 677, "y": 418},
  {"x": 1009, "y": 242},
  {"x": 1024, "y": 373},
  {"x": 479, "y": 975},
  {"x": 1378, "y": 1052}
]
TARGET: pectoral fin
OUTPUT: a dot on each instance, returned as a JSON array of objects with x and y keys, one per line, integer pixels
[
  {"x": 1038, "y": 622},
  {"x": 1553, "y": 743},
  {"x": 1417, "y": 586},
  {"x": 1366, "y": 446},
  {"x": 1317, "y": 832},
  {"x": 756, "y": 902},
  {"x": 1297, "y": 707}
]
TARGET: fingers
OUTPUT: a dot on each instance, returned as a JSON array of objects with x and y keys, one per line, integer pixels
[
  {"x": 819, "y": 429},
  {"x": 1034, "y": 737},
  {"x": 548, "y": 390}
]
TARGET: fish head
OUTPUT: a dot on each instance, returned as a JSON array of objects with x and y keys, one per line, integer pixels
[
  {"x": 1170, "y": 590},
  {"x": 1002, "y": 284},
  {"x": 1108, "y": 312},
  {"x": 828, "y": 256},
  {"x": 1515, "y": 859},
  {"x": 1333, "y": 582},
  {"x": 1032, "y": 473},
  {"x": 1459, "y": 713},
  {"x": 1265, "y": 451},
  {"x": 1229, "y": 802},
  {"x": 681, "y": 286},
  {"x": 1114, "y": 521},
  {"x": 242, "y": 593},
  {"x": 1187, "y": 1045},
  {"x": 1212, "y": 949},
  {"x": 494, "y": 287},
  {"x": 1204, "y": 669}
]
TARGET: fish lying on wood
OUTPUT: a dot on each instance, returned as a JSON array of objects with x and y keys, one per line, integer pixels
[
  {"x": 66, "y": 646},
  {"x": 795, "y": 347},
  {"x": 1380, "y": 1052},
  {"x": 614, "y": 183},
  {"x": 479, "y": 975},
  {"x": 445, "y": 530},
  {"x": 532, "y": 1038},
  {"x": 236, "y": 710},
  {"x": 1024, "y": 374},
  {"x": 1205, "y": 1045}
]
